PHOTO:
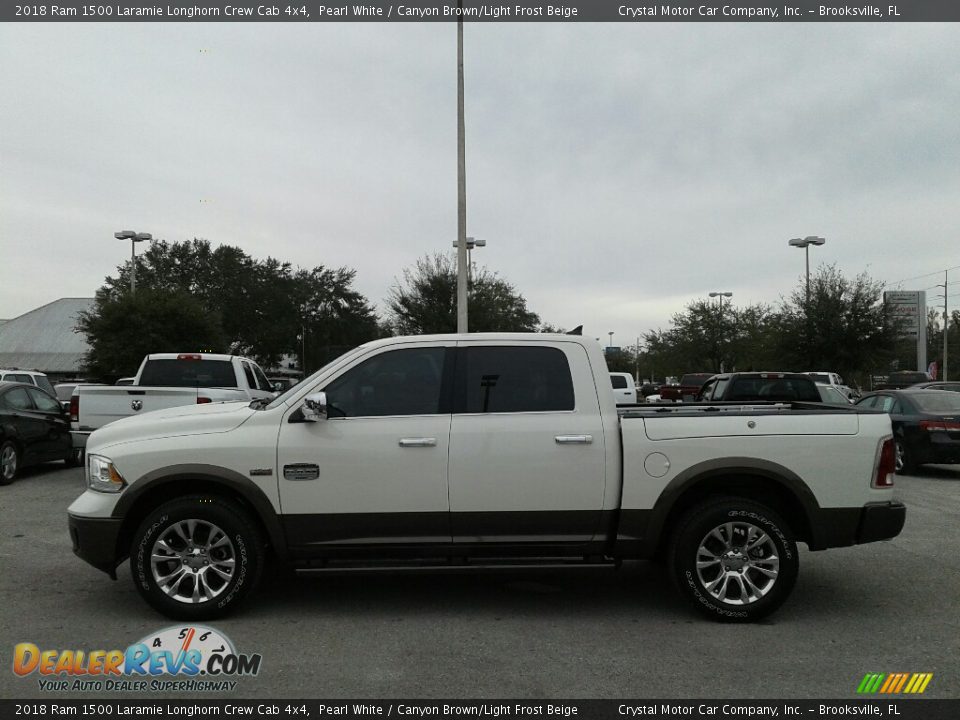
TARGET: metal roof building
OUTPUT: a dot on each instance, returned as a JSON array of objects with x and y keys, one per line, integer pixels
[{"x": 44, "y": 339}]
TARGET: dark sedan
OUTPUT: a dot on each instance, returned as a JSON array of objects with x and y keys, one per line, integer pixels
[
  {"x": 926, "y": 424},
  {"x": 33, "y": 429},
  {"x": 952, "y": 386}
]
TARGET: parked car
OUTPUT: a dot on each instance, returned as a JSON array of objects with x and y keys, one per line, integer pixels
[
  {"x": 648, "y": 388},
  {"x": 760, "y": 386},
  {"x": 33, "y": 429},
  {"x": 952, "y": 386},
  {"x": 832, "y": 394},
  {"x": 904, "y": 379},
  {"x": 926, "y": 425},
  {"x": 624, "y": 388},
  {"x": 479, "y": 449},
  {"x": 834, "y": 380},
  {"x": 686, "y": 389},
  {"x": 30, "y": 377},
  {"x": 167, "y": 380}
]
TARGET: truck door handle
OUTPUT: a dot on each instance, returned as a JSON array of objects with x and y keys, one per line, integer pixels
[
  {"x": 574, "y": 439},
  {"x": 418, "y": 442}
]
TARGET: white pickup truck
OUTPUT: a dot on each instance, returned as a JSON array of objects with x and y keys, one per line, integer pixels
[
  {"x": 166, "y": 380},
  {"x": 479, "y": 450}
]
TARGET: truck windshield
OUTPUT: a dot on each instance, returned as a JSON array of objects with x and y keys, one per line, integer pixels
[{"x": 188, "y": 373}]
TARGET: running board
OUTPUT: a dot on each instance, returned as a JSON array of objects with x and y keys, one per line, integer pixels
[{"x": 446, "y": 567}]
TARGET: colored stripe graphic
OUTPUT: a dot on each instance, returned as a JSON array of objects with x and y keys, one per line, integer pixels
[{"x": 893, "y": 683}]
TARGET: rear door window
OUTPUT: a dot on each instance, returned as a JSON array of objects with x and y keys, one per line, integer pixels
[
  {"x": 17, "y": 399},
  {"x": 515, "y": 379},
  {"x": 619, "y": 382}
]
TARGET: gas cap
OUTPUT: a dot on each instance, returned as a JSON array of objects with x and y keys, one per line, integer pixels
[{"x": 656, "y": 464}]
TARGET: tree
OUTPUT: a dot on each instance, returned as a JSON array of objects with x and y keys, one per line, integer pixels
[
  {"x": 425, "y": 302},
  {"x": 265, "y": 308},
  {"x": 705, "y": 339},
  {"x": 844, "y": 328},
  {"x": 124, "y": 328}
]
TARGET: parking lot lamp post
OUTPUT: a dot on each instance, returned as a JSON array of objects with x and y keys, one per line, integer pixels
[
  {"x": 610, "y": 344},
  {"x": 805, "y": 243},
  {"x": 134, "y": 238},
  {"x": 721, "y": 296}
]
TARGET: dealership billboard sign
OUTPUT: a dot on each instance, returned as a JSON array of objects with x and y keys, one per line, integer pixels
[{"x": 908, "y": 308}]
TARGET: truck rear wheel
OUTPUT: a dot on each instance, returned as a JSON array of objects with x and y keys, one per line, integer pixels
[
  {"x": 197, "y": 557},
  {"x": 734, "y": 559}
]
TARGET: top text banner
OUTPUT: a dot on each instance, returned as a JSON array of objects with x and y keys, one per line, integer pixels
[{"x": 527, "y": 11}]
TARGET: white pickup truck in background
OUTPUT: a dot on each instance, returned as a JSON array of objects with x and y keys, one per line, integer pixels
[
  {"x": 479, "y": 450},
  {"x": 167, "y": 380},
  {"x": 624, "y": 388}
]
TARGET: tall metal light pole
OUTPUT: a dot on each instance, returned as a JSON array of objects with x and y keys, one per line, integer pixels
[
  {"x": 610, "y": 345},
  {"x": 805, "y": 243},
  {"x": 134, "y": 238},
  {"x": 461, "y": 188},
  {"x": 720, "y": 295}
]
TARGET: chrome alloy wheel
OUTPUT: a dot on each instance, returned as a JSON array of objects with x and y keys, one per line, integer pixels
[
  {"x": 193, "y": 561},
  {"x": 8, "y": 462},
  {"x": 737, "y": 563}
]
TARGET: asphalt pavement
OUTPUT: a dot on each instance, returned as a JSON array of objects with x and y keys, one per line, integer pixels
[{"x": 580, "y": 633}]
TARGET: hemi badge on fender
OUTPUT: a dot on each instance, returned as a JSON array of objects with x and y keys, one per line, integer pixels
[
  {"x": 261, "y": 471},
  {"x": 301, "y": 471}
]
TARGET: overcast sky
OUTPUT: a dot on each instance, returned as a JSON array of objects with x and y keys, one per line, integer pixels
[{"x": 617, "y": 172}]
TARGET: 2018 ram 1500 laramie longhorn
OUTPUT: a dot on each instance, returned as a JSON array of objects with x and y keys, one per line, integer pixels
[{"x": 479, "y": 449}]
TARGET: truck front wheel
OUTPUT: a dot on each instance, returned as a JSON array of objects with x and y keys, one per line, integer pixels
[
  {"x": 196, "y": 557},
  {"x": 734, "y": 559}
]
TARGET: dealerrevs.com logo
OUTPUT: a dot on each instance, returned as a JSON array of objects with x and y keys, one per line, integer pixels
[{"x": 190, "y": 658}]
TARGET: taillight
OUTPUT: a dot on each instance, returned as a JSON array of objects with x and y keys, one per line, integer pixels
[
  {"x": 188, "y": 356},
  {"x": 201, "y": 400},
  {"x": 886, "y": 465},
  {"x": 939, "y": 425},
  {"x": 74, "y": 408}
]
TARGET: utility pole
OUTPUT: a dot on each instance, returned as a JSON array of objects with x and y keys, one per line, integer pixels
[
  {"x": 461, "y": 188},
  {"x": 636, "y": 370},
  {"x": 946, "y": 321}
]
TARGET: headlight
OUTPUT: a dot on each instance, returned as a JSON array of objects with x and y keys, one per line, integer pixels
[{"x": 102, "y": 476}]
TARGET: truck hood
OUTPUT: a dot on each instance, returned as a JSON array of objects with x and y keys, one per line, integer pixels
[{"x": 171, "y": 422}]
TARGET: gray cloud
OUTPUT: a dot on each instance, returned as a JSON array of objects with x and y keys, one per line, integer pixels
[{"x": 617, "y": 171}]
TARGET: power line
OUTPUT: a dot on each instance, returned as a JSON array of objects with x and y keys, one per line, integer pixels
[{"x": 918, "y": 277}]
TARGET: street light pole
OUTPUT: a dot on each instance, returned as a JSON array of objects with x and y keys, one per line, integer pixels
[
  {"x": 721, "y": 296},
  {"x": 611, "y": 339},
  {"x": 805, "y": 243},
  {"x": 134, "y": 238},
  {"x": 461, "y": 187}
]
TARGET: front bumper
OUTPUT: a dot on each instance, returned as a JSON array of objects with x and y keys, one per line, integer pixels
[{"x": 96, "y": 541}]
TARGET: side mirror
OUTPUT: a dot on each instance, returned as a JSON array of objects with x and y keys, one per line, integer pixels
[{"x": 314, "y": 407}]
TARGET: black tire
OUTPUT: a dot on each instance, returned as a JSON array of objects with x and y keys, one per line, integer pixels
[
  {"x": 904, "y": 457},
  {"x": 713, "y": 588},
  {"x": 9, "y": 462},
  {"x": 75, "y": 458},
  {"x": 196, "y": 570}
]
